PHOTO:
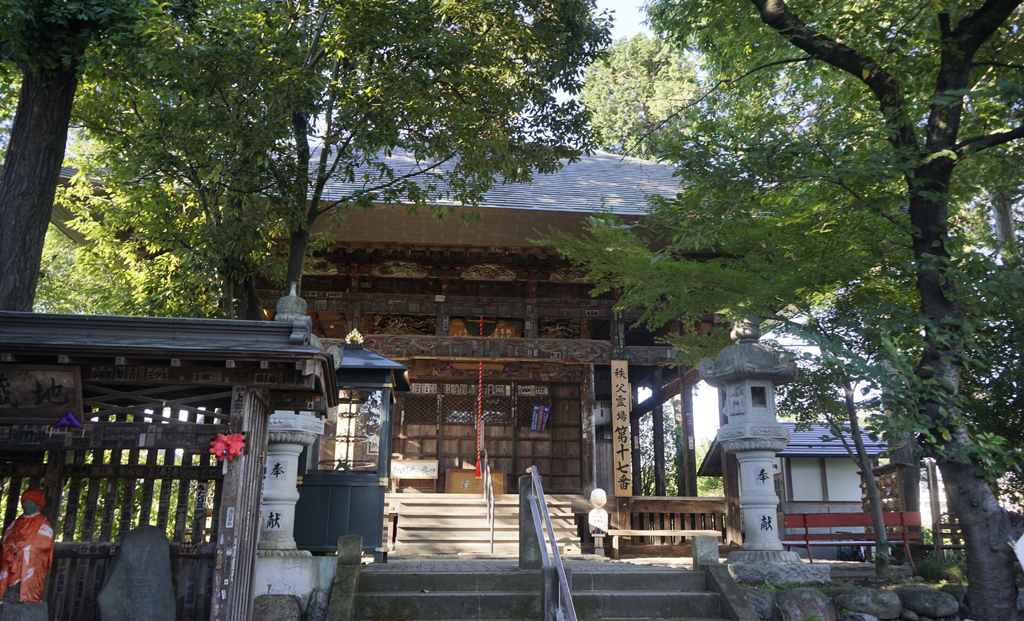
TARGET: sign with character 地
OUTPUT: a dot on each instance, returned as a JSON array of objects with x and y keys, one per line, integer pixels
[{"x": 43, "y": 392}]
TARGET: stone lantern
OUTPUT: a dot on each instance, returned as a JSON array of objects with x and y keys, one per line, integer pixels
[{"x": 748, "y": 372}]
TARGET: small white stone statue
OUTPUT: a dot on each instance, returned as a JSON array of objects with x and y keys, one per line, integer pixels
[{"x": 598, "y": 519}]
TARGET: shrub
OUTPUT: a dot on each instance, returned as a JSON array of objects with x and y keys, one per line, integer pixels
[{"x": 952, "y": 569}]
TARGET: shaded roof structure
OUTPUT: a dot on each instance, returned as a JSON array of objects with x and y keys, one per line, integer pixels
[
  {"x": 600, "y": 181},
  {"x": 805, "y": 443},
  {"x": 596, "y": 182}
]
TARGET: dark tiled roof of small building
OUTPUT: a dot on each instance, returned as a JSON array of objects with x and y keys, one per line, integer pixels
[
  {"x": 807, "y": 443},
  {"x": 810, "y": 444},
  {"x": 598, "y": 181}
]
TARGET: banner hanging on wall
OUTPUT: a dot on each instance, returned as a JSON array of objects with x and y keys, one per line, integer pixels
[{"x": 539, "y": 420}]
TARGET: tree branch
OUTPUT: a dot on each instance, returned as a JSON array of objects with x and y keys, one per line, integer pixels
[
  {"x": 391, "y": 183},
  {"x": 980, "y": 143},
  {"x": 777, "y": 16},
  {"x": 992, "y": 63},
  {"x": 710, "y": 92}
]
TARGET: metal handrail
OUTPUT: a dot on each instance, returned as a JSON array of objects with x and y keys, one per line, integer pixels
[
  {"x": 540, "y": 507},
  {"x": 489, "y": 497}
]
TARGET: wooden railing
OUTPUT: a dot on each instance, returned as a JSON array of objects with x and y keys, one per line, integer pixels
[{"x": 672, "y": 513}]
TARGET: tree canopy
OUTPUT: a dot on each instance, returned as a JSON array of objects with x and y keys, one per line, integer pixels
[
  {"x": 850, "y": 152},
  {"x": 633, "y": 93},
  {"x": 219, "y": 131}
]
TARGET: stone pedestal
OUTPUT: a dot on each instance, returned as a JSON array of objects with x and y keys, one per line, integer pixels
[{"x": 289, "y": 434}]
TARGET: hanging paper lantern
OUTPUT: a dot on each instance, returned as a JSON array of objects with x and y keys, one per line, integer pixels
[{"x": 227, "y": 446}]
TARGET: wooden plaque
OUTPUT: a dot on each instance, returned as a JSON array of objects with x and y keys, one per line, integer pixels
[
  {"x": 414, "y": 469},
  {"x": 464, "y": 481}
]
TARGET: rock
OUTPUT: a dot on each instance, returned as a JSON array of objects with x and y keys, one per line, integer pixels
[
  {"x": 874, "y": 602},
  {"x": 801, "y": 603},
  {"x": 276, "y": 608},
  {"x": 316, "y": 605},
  {"x": 927, "y": 602},
  {"x": 762, "y": 601},
  {"x": 859, "y": 616},
  {"x": 924, "y": 618},
  {"x": 138, "y": 583},
  {"x": 909, "y": 615},
  {"x": 34, "y": 611},
  {"x": 1020, "y": 602},
  {"x": 958, "y": 591}
]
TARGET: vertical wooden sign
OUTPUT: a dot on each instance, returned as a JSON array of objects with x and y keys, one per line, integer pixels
[{"x": 622, "y": 474}]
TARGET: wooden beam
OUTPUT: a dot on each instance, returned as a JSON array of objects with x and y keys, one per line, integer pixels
[
  {"x": 656, "y": 400},
  {"x": 658, "y": 422}
]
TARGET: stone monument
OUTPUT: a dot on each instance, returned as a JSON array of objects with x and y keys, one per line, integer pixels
[
  {"x": 138, "y": 583},
  {"x": 748, "y": 372}
]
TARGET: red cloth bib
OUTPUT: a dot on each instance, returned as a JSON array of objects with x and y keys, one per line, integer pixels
[{"x": 27, "y": 548}]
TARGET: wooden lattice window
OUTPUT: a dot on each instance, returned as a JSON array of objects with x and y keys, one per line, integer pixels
[
  {"x": 498, "y": 410},
  {"x": 419, "y": 410},
  {"x": 459, "y": 410}
]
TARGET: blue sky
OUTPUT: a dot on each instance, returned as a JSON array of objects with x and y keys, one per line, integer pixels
[{"x": 628, "y": 17}]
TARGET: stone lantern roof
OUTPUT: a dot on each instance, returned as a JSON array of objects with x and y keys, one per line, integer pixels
[{"x": 748, "y": 359}]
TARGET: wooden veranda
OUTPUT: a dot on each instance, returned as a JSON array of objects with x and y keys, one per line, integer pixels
[{"x": 150, "y": 394}]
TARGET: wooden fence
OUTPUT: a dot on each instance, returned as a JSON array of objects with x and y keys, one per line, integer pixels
[
  {"x": 668, "y": 513},
  {"x": 131, "y": 466}
]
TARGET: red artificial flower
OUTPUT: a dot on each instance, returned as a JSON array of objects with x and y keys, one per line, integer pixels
[{"x": 227, "y": 446}]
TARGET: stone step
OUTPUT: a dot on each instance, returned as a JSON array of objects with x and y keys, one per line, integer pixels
[
  {"x": 447, "y": 605},
  {"x": 645, "y": 604},
  {"x": 527, "y": 581}
]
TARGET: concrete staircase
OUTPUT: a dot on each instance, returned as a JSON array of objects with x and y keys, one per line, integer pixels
[{"x": 604, "y": 591}]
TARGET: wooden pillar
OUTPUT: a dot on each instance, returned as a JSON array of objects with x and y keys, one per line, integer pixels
[
  {"x": 619, "y": 335},
  {"x": 441, "y": 327},
  {"x": 588, "y": 445},
  {"x": 689, "y": 468},
  {"x": 680, "y": 421},
  {"x": 530, "y": 325},
  {"x": 658, "y": 421},
  {"x": 730, "y": 483},
  {"x": 354, "y": 316},
  {"x": 239, "y": 519},
  {"x": 634, "y": 431}
]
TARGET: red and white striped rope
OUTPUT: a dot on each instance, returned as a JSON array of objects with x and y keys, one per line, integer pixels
[{"x": 480, "y": 408}]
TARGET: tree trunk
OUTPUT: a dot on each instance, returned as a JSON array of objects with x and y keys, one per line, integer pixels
[
  {"x": 874, "y": 500},
  {"x": 298, "y": 241},
  {"x": 30, "y": 176},
  {"x": 300, "y": 232},
  {"x": 984, "y": 524},
  {"x": 985, "y": 527},
  {"x": 1002, "y": 208},
  {"x": 243, "y": 301}
]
